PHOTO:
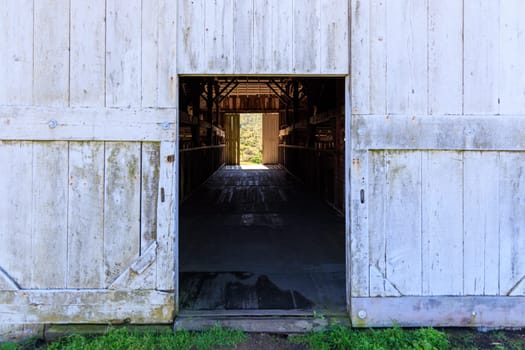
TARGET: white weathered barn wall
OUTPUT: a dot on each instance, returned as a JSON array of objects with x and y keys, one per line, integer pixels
[
  {"x": 263, "y": 37},
  {"x": 411, "y": 59},
  {"x": 438, "y": 110},
  {"x": 88, "y": 125},
  {"x": 16, "y": 52},
  {"x": 459, "y": 238},
  {"x": 85, "y": 197},
  {"x": 87, "y": 57},
  {"x": 88, "y": 54}
]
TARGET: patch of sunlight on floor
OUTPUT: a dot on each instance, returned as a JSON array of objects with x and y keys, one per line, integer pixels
[{"x": 254, "y": 167}]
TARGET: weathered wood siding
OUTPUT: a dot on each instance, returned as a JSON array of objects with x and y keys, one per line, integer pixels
[
  {"x": 461, "y": 236},
  {"x": 88, "y": 111},
  {"x": 263, "y": 37},
  {"x": 88, "y": 127},
  {"x": 86, "y": 215},
  {"x": 453, "y": 57},
  {"x": 84, "y": 195},
  {"x": 88, "y": 54},
  {"x": 438, "y": 123}
]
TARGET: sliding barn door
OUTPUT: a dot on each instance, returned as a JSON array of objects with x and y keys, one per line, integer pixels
[
  {"x": 233, "y": 138},
  {"x": 270, "y": 136},
  {"x": 87, "y": 148},
  {"x": 437, "y": 164}
]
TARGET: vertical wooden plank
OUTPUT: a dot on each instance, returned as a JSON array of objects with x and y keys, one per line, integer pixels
[
  {"x": 238, "y": 138},
  {"x": 266, "y": 138},
  {"x": 270, "y": 135},
  {"x": 150, "y": 52},
  {"x": 123, "y": 53},
  {"x": 512, "y": 223},
  {"x": 51, "y": 53},
  {"x": 360, "y": 56},
  {"x": 227, "y": 143},
  {"x": 16, "y": 52},
  {"x": 218, "y": 36},
  {"x": 359, "y": 242},
  {"x": 87, "y": 85},
  {"x": 168, "y": 83},
  {"x": 167, "y": 250},
  {"x": 16, "y": 210},
  {"x": 233, "y": 140},
  {"x": 232, "y": 128},
  {"x": 262, "y": 36},
  {"x": 334, "y": 37},
  {"x": 378, "y": 59},
  {"x": 149, "y": 193},
  {"x": 275, "y": 138},
  {"x": 481, "y": 57},
  {"x": 121, "y": 207},
  {"x": 85, "y": 261},
  {"x": 190, "y": 37},
  {"x": 512, "y": 64},
  {"x": 282, "y": 36},
  {"x": 49, "y": 234},
  {"x": 481, "y": 223},
  {"x": 442, "y": 223},
  {"x": 307, "y": 37},
  {"x": 445, "y": 61},
  {"x": 350, "y": 143},
  {"x": 407, "y": 57},
  {"x": 403, "y": 221},
  {"x": 376, "y": 222},
  {"x": 159, "y": 35},
  {"x": 227, "y": 139},
  {"x": 242, "y": 36}
]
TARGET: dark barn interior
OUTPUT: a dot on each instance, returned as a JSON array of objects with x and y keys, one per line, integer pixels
[{"x": 262, "y": 237}]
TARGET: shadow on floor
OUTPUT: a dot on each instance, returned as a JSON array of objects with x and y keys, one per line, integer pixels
[{"x": 288, "y": 245}]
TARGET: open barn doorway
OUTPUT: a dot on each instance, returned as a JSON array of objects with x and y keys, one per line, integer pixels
[
  {"x": 251, "y": 138},
  {"x": 269, "y": 236}
]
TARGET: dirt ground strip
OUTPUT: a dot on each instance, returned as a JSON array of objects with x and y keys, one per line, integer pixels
[
  {"x": 257, "y": 341},
  {"x": 466, "y": 339},
  {"x": 498, "y": 339}
]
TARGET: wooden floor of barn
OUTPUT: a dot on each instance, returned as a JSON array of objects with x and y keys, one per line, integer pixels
[{"x": 256, "y": 239}]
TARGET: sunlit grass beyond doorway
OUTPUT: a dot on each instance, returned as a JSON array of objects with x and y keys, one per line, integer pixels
[{"x": 251, "y": 139}]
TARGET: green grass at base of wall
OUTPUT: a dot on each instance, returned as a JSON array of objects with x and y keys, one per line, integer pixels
[
  {"x": 342, "y": 338},
  {"x": 125, "y": 339},
  {"x": 333, "y": 338}
]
